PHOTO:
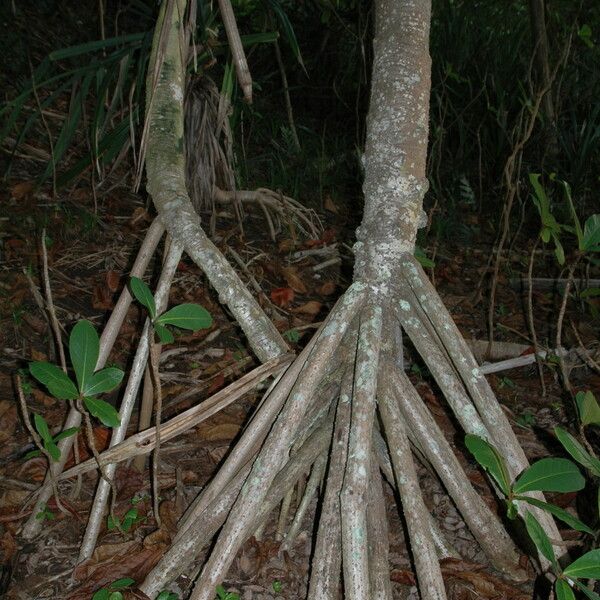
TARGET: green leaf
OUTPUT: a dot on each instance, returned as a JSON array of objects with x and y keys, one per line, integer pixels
[
  {"x": 94, "y": 46},
  {"x": 58, "y": 384},
  {"x": 586, "y": 591},
  {"x": 591, "y": 234},
  {"x": 489, "y": 458},
  {"x": 186, "y": 316},
  {"x": 84, "y": 347},
  {"x": 585, "y": 567},
  {"x": 103, "y": 411},
  {"x": 577, "y": 451},
  {"x": 166, "y": 595},
  {"x": 550, "y": 475},
  {"x": 120, "y": 584},
  {"x": 102, "y": 594},
  {"x": 53, "y": 450},
  {"x": 559, "y": 513},
  {"x": 115, "y": 596},
  {"x": 42, "y": 427},
  {"x": 423, "y": 259},
  {"x": 540, "y": 539},
  {"x": 585, "y": 35},
  {"x": 587, "y": 406},
  {"x": 66, "y": 433},
  {"x": 563, "y": 590},
  {"x": 103, "y": 381},
  {"x": 143, "y": 295},
  {"x": 164, "y": 335}
]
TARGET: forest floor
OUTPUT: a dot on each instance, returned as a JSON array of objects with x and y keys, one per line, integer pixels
[{"x": 89, "y": 254}]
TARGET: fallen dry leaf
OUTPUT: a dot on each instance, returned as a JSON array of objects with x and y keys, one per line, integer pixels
[
  {"x": 293, "y": 279},
  {"x": 113, "y": 280},
  {"x": 21, "y": 189},
  {"x": 282, "y": 296},
  {"x": 327, "y": 288},
  {"x": 312, "y": 308}
]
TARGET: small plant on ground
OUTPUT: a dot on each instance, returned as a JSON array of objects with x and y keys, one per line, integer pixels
[
  {"x": 184, "y": 316},
  {"x": 223, "y": 594},
  {"x": 113, "y": 591},
  {"x": 546, "y": 475},
  {"x": 84, "y": 347}
]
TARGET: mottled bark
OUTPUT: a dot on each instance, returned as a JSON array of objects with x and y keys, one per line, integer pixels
[{"x": 389, "y": 287}]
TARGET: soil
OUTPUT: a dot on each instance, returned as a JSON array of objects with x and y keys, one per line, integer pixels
[{"x": 90, "y": 248}]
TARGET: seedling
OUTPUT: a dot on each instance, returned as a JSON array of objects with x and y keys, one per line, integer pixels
[
  {"x": 292, "y": 335},
  {"x": 84, "y": 348},
  {"x": 49, "y": 442},
  {"x": 130, "y": 518},
  {"x": 184, "y": 316},
  {"x": 277, "y": 586},
  {"x": 45, "y": 514},
  {"x": 223, "y": 594},
  {"x": 546, "y": 475},
  {"x": 113, "y": 591},
  {"x": 166, "y": 595}
]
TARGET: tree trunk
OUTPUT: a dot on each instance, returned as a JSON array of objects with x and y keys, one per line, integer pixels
[{"x": 349, "y": 378}]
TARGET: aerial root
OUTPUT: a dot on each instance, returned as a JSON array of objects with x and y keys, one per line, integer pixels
[
  {"x": 484, "y": 416},
  {"x": 153, "y": 235},
  {"x": 321, "y": 417}
]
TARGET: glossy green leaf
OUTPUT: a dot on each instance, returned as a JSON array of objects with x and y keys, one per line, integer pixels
[
  {"x": 102, "y": 594},
  {"x": 588, "y": 408},
  {"x": 166, "y": 595},
  {"x": 120, "y": 584},
  {"x": 164, "y": 335},
  {"x": 585, "y": 567},
  {"x": 550, "y": 475},
  {"x": 539, "y": 538},
  {"x": 103, "y": 411},
  {"x": 84, "y": 348},
  {"x": 103, "y": 381},
  {"x": 489, "y": 458},
  {"x": 115, "y": 596},
  {"x": 591, "y": 234},
  {"x": 563, "y": 590},
  {"x": 66, "y": 433},
  {"x": 186, "y": 316},
  {"x": 42, "y": 427},
  {"x": 577, "y": 451},
  {"x": 53, "y": 450},
  {"x": 559, "y": 513},
  {"x": 143, "y": 295},
  {"x": 58, "y": 384}
]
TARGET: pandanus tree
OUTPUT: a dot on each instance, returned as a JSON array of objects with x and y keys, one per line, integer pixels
[{"x": 343, "y": 410}]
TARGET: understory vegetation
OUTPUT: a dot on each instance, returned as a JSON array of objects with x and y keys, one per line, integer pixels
[{"x": 511, "y": 240}]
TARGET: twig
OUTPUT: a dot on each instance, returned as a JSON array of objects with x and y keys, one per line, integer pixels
[
  {"x": 37, "y": 439},
  {"x": 530, "y": 319},
  {"x": 50, "y": 304},
  {"x": 154, "y": 363}
]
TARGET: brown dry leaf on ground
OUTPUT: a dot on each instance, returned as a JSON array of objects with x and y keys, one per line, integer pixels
[
  {"x": 282, "y": 296},
  {"x": 115, "y": 561},
  {"x": 468, "y": 581},
  {"x": 311, "y": 308},
  {"x": 293, "y": 279}
]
